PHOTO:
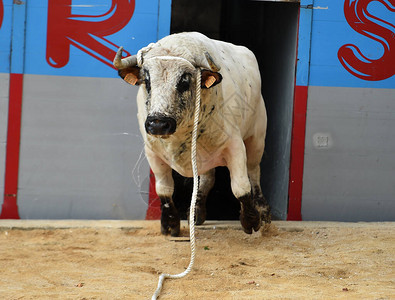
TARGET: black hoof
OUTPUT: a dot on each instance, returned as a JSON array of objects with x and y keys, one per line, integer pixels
[
  {"x": 252, "y": 222},
  {"x": 200, "y": 215},
  {"x": 174, "y": 231},
  {"x": 262, "y": 206},
  {"x": 250, "y": 218},
  {"x": 266, "y": 215},
  {"x": 170, "y": 221}
]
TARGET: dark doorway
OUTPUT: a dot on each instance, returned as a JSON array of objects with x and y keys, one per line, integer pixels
[{"x": 269, "y": 29}]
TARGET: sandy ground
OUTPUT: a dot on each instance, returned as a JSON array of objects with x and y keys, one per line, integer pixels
[{"x": 122, "y": 260}]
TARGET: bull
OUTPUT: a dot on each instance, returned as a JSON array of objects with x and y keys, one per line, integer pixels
[{"x": 232, "y": 121}]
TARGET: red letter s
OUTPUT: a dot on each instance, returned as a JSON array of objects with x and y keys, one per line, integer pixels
[{"x": 351, "y": 57}]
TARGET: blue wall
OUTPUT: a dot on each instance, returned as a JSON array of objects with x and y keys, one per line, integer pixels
[
  {"x": 367, "y": 30},
  {"x": 150, "y": 20}
]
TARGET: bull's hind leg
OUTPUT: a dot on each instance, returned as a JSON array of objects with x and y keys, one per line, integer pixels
[
  {"x": 255, "y": 149},
  {"x": 206, "y": 183},
  {"x": 164, "y": 184},
  {"x": 235, "y": 156}
]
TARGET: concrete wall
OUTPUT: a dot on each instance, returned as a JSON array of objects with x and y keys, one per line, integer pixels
[
  {"x": 349, "y": 166},
  {"x": 81, "y": 150},
  {"x": 349, "y": 155}
]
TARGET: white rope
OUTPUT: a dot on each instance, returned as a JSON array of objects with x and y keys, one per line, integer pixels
[{"x": 163, "y": 276}]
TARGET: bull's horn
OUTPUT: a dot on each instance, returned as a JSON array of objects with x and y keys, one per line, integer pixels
[
  {"x": 211, "y": 63},
  {"x": 122, "y": 63},
  {"x": 206, "y": 62}
]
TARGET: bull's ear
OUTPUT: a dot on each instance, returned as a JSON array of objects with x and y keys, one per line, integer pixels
[
  {"x": 210, "y": 78},
  {"x": 131, "y": 75}
]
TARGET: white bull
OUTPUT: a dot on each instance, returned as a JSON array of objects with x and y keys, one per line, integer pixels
[{"x": 232, "y": 121}]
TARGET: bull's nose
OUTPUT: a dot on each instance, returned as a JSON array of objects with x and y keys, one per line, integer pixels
[{"x": 159, "y": 125}]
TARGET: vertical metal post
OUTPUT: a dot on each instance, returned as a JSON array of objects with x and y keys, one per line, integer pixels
[{"x": 299, "y": 112}]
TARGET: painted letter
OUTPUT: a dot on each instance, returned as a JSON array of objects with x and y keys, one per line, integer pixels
[
  {"x": 352, "y": 58},
  {"x": 1, "y": 12},
  {"x": 85, "y": 32}
]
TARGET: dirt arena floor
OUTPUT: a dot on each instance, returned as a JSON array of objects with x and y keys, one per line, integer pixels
[{"x": 122, "y": 260}]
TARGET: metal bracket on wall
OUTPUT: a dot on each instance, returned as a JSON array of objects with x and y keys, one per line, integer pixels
[{"x": 310, "y": 6}]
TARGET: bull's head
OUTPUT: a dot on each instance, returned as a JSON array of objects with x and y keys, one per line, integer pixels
[{"x": 169, "y": 87}]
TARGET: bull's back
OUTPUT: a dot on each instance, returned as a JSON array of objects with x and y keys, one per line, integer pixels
[{"x": 241, "y": 86}]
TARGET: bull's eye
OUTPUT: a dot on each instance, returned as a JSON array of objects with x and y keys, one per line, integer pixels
[
  {"x": 184, "y": 83},
  {"x": 147, "y": 81}
]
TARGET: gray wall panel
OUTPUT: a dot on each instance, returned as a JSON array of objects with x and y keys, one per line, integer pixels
[
  {"x": 349, "y": 172},
  {"x": 81, "y": 150},
  {"x": 4, "y": 90}
]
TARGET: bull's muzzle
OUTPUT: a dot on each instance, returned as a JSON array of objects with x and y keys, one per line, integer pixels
[{"x": 159, "y": 125}]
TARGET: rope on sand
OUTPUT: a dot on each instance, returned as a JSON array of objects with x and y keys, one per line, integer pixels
[{"x": 163, "y": 276}]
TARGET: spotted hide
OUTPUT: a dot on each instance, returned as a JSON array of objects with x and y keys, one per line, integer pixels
[{"x": 232, "y": 121}]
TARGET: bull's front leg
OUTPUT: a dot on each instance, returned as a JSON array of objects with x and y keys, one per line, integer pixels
[
  {"x": 236, "y": 160},
  {"x": 164, "y": 184},
  {"x": 206, "y": 183}
]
